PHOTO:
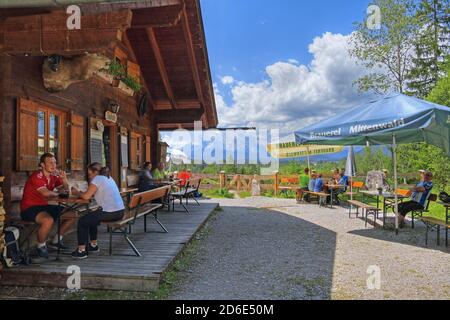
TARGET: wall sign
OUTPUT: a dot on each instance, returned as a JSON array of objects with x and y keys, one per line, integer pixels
[
  {"x": 111, "y": 116},
  {"x": 96, "y": 146}
]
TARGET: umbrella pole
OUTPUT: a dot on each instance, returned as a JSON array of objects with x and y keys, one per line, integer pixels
[{"x": 394, "y": 153}]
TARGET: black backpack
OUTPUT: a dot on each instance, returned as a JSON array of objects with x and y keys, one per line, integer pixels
[
  {"x": 12, "y": 256},
  {"x": 444, "y": 197}
]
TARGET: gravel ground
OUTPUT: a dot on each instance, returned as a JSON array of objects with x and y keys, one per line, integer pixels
[{"x": 262, "y": 248}]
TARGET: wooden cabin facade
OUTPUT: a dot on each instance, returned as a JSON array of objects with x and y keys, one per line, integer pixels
[{"x": 57, "y": 96}]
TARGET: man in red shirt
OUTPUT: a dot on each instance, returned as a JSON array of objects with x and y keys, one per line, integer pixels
[{"x": 39, "y": 189}]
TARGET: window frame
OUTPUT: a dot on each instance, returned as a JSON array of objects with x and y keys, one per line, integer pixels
[{"x": 62, "y": 115}]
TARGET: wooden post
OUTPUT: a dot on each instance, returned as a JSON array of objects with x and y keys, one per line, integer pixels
[
  {"x": 276, "y": 183},
  {"x": 222, "y": 180}
]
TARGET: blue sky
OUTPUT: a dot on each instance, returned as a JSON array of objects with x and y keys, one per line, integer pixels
[
  {"x": 245, "y": 36},
  {"x": 282, "y": 64}
]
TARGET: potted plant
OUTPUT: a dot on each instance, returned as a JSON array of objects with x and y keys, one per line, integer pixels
[
  {"x": 117, "y": 71},
  {"x": 132, "y": 85}
]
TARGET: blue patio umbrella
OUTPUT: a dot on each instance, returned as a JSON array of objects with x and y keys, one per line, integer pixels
[{"x": 392, "y": 119}]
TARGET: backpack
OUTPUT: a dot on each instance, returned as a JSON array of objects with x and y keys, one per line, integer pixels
[{"x": 12, "y": 256}]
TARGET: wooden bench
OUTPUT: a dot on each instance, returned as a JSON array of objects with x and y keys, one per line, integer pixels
[
  {"x": 140, "y": 206},
  {"x": 321, "y": 197},
  {"x": 367, "y": 210},
  {"x": 432, "y": 223},
  {"x": 191, "y": 188}
]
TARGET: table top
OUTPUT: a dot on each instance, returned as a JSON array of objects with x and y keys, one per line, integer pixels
[
  {"x": 335, "y": 186},
  {"x": 71, "y": 200},
  {"x": 387, "y": 195}
]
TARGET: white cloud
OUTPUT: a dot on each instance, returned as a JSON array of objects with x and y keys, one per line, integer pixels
[
  {"x": 295, "y": 95},
  {"x": 227, "y": 80}
]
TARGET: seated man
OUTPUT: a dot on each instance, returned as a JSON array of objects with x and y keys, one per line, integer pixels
[
  {"x": 146, "y": 182},
  {"x": 38, "y": 190},
  {"x": 420, "y": 196},
  {"x": 304, "y": 186},
  {"x": 318, "y": 187},
  {"x": 158, "y": 173},
  {"x": 312, "y": 181}
]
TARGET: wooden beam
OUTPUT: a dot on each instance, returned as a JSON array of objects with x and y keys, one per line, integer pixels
[
  {"x": 47, "y": 34},
  {"x": 166, "y": 17},
  {"x": 161, "y": 65},
  {"x": 191, "y": 53},
  {"x": 173, "y": 116},
  {"x": 182, "y": 104},
  {"x": 127, "y": 43}
]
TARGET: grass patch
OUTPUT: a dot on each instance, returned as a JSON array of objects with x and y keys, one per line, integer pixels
[
  {"x": 170, "y": 279},
  {"x": 219, "y": 194},
  {"x": 245, "y": 194}
]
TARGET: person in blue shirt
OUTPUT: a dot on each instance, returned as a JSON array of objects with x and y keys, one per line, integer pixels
[
  {"x": 420, "y": 194},
  {"x": 344, "y": 180},
  {"x": 318, "y": 187}
]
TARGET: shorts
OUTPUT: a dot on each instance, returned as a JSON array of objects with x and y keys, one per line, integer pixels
[{"x": 30, "y": 214}]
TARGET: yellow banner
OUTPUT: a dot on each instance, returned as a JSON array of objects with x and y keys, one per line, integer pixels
[{"x": 294, "y": 150}]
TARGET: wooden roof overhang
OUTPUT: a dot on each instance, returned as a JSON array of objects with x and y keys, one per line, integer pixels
[{"x": 165, "y": 37}]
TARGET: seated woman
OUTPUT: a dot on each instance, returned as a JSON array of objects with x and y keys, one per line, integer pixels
[
  {"x": 104, "y": 190},
  {"x": 146, "y": 181}
]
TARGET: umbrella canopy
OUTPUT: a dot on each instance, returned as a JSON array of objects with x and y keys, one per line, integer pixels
[
  {"x": 350, "y": 167},
  {"x": 408, "y": 118}
]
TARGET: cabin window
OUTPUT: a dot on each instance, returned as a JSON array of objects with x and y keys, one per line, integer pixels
[
  {"x": 49, "y": 132},
  {"x": 42, "y": 129}
]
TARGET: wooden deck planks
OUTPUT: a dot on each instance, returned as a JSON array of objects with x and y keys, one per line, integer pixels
[{"x": 118, "y": 272}]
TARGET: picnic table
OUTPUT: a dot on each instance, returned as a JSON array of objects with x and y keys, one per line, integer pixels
[
  {"x": 332, "y": 188},
  {"x": 431, "y": 223},
  {"x": 388, "y": 198},
  {"x": 69, "y": 204}
]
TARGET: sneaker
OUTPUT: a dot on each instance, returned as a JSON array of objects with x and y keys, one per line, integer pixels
[
  {"x": 92, "y": 249},
  {"x": 79, "y": 255},
  {"x": 59, "y": 245},
  {"x": 42, "y": 252}
]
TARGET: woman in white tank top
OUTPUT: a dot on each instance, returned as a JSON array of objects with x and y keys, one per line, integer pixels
[{"x": 104, "y": 190}]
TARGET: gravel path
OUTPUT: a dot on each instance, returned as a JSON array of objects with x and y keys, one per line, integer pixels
[{"x": 261, "y": 248}]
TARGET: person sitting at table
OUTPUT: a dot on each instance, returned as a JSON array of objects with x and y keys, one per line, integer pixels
[
  {"x": 420, "y": 194},
  {"x": 39, "y": 190},
  {"x": 146, "y": 181},
  {"x": 312, "y": 184},
  {"x": 343, "y": 180},
  {"x": 304, "y": 187},
  {"x": 104, "y": 190},
  {"x": 184, "y": 177},
  {"x": 159, "y": 173},
  {"x": 319, "y": 185}
]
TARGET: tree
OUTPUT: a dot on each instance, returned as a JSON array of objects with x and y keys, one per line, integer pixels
[
  {"x": 441, "y": 92},
  {"x": 386, "y": 51},
  {"x": 431, "y": 45}
]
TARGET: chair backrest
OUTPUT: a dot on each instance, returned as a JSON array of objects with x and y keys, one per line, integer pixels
[
  {"x": 290, "y": 181},
  {"x": 194, "y": 183},
  {"x": 431, "y": 198},
  {"x": 358, "y": 184},
  {"x": 154, "y": 194}
]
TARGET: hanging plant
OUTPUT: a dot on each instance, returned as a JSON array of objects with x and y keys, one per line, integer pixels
[{"x": 132, "y": 83}]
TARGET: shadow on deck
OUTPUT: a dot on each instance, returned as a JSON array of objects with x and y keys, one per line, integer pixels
[{"x": 125, "y": 273}]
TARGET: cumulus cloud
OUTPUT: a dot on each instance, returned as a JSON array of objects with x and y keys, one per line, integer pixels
[
  {"x": 227, "y": 80},
  {"x": 295, "y": 95}
]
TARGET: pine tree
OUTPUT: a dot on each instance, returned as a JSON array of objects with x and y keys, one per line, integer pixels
[{"x": 431, "y": 45}]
